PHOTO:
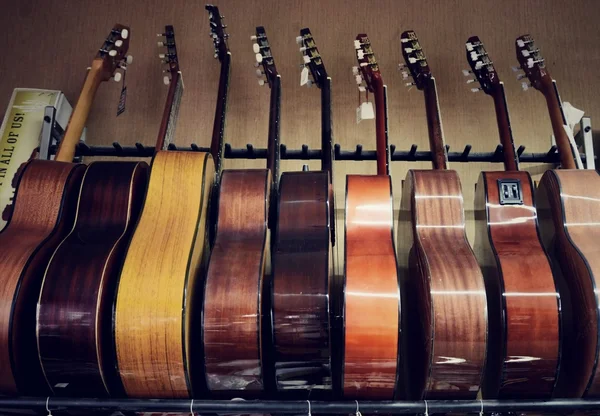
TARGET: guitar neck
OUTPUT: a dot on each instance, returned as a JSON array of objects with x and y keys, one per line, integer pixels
[
  {"x": 439, "y": 156},
  {"x": 326, "y": 129},
  {"x": 511, "y": 161},
  {"x": 273, "y": 147},
  {"x": 569, "y": 157},
  {"x": 217, "y": 143},
  {"x": 166, "y": 132},
  {"x": 383, "y": 167},
  {"x": 66, "y": 149}
]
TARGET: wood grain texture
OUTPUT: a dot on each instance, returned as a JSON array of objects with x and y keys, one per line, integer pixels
[
  {"x": 444, "y": 319},
  {"x": 371, "y": 294},
  {"x": 74, "y": 321},
  {"x": 569, "y": 210},
  {"x": 523, "y": 302},
  {"x": 231, "y": 324},
  {"x": 161, "y": 279},
  {"x": 301, "y": 284},
  {"x": 44, "y": 212}
]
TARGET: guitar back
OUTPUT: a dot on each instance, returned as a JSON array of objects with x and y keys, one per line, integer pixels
[
  {"x": 520, "y": 288},
  {"x": 569, "y": 212},
  {"x": 159, "y": 284},
  {"x": 233, "y": 292},
  {"x": 301, "y": 278},
  {"x": 44, "y": 211},
  {"x": 74, "y": 324},
  {"x": 442, "y": 289},
  {"x": 371, "y": 294}
]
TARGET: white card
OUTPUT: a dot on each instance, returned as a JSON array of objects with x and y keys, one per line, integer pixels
[
  {"x": 304, "y": 76},
  {"x": 365, "y": 112}
]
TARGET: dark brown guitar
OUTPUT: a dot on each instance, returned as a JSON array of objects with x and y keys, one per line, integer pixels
[
  {"x": 443, "y": 292},
  {"x": 302, "y": 257},
  {"x": 568, "y": 203},
  {"x": 44, "y": 213},
  {"x": 234, "y": 287},
  {"x": 74, "y": 324},
  {"x": 371, "y": 297},
  {"x": 522, "y": 359}
]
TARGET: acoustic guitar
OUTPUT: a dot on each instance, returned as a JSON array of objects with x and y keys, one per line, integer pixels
[
  {"x": 44, "y": 211},
  {"x": 522, "y": 360},
  {"x": 371, "y": 312},
  {"x": 235, "y": 287},
  {"x": 157, "y": 299},
  {"x": 443, "y": 292},
  {"x": 74, "y": 325},
  {"x": 302, "y": 258},
  {"x": 568, "y": 202}
]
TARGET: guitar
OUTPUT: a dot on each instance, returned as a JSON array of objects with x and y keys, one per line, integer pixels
[
  {"x": 75, "y": 337},
  {"x": 235, "y": 287},
  {"x": 443, "y": 292},
  {"x": 44, "y": 211},
  {"x": 302, "y": 258},
  {"x": 157, "y": 300},
  {"x": 371, "y": 312},
  {"x": 522, "y": 360},
  {"x": 568, "y": 202}
]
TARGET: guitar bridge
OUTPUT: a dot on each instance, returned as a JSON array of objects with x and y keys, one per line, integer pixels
[{"x": 510, "y": 192}]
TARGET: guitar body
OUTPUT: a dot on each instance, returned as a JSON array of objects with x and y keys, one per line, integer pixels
[
  {"x": 158, "y": 290},
  {"x": 523, "y": 303},
  {"x": 569, "y": 211},
  {"x": 443, "y": 291},
  {"x": 233, "y": 292},
  {"x": 74, "y": 324},
  {"x": 371, "y": 313},
  {"x": 43, "y": 214},
  {"x": 301, "y": 278}
]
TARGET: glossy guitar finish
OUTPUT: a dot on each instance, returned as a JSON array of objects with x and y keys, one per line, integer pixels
[
  {"x": 303, "y": 262},
  {"x": 443, "y": 292},
  {"x": 523, "y": 303},
  {"x": 28, "y": 242},
  {"x": 371, "y": 312},
  {"x": 74, "y": 324}
]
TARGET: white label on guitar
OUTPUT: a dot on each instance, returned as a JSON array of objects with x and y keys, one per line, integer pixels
[
  {"x": 304, "y": 76},
  {"x": 365, "y": 112}
]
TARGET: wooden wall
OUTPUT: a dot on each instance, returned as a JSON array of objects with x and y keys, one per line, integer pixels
[{"x": 49, "y": 43}]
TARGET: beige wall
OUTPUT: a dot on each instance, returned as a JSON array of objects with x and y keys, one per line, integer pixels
[{"x": 49, "y": 43}]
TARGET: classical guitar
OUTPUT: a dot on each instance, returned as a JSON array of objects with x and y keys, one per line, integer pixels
[
  {"x": 568, "y": 202},
  {"x": 522, "y": 360},
  {"x": 235, "y": 286},
  {"x": 302, "y": 257},
  {"x": 157, "y": 301},
  {"x": 78, "y": 353},
  {"x": 43, "y": 214},
  {"x": 443, "y": 293},
  {"x": 371, "y": 313}
]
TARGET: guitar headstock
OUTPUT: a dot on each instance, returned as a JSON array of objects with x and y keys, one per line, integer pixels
[
  {"x": 415, "y": 59},
  {"x": 368, "y": 68},
  {"x": 532, "y": 63},
  {"x": 169, "y": 55},
  {"x": 264, "y": 57},
  {"x": 217, "y": 31},
  {"x": 313, "y": 66},
  {"x": 481, "y": 66},
  {"x": 112, "y": 55}
]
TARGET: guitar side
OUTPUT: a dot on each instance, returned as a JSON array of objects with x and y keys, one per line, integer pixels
[
  {"x": 44, "y": 212},
  {"x": 443, "y": 293},
  {"x": 569, "y": 211},
  {"x": 234, "y": 286},
  {"x": 301, "y": 279},
  {"x": 158, "y": 289},
  {"x": 522, "y": 359},
  {"x": 74, "y": 324}
]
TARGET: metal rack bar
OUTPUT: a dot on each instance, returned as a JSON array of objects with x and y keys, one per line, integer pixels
[{"x": 296, "y": 407}]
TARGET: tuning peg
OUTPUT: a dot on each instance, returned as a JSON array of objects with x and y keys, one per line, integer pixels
[
  {"x": 216, "y": 55},
  {"x": 401, "y": 67},
  {"x": 253, "y": 38},
  {"x": 166, "y": 80},
  {"x": 299, "y": 40},
  {"x": 302, "y": 49},
  {"x": 409, "y": 50},
  {"x": 256, "y": 47},
  {"x": 470, "y": 81},
  {"x": 129, "y": 59},
  {"x": 261, "y": 82},
  {"x": 258, "y": 58},
  {"x": 479, "y": 65},
  {"x": 520, "y": 77},
  {"x": 362, "y": 64},
  {"x": 531, "y": 62},
  {"x": 112, "y": 52},
  {"x": 521, "y": 43},
  {"x": 469, "y": 46},
  {"x": 119, "y": 43},
  {"x": 412, "y": 60},
  {"x": 259, "y": 73},
  {"x": 405, "y": 75},
  {"x": 466, "y": 72},
  {"x": 357, "y": 44},
  {"x": 158, "y": 35},
  {"x": 409, "y": 84},
  {"x": 162, "y": 56},
  {"x": 525, "y": 86},
  {"x": 306, "y": 59},
  {"x": 355, "y": 70},
  {"x": 358, "y": 79},
  {"x": 117, "y": 77},
  {"x": 475, "y": 89},
  {"x": 124, "y": 33},
  {"x": 360, "y": 54},
  {"x": 525, "y": 53},
  {"x": 474, "y": 55},
  {"x": 404, "y": 40},
  {"x": 362, "y": 88}
]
